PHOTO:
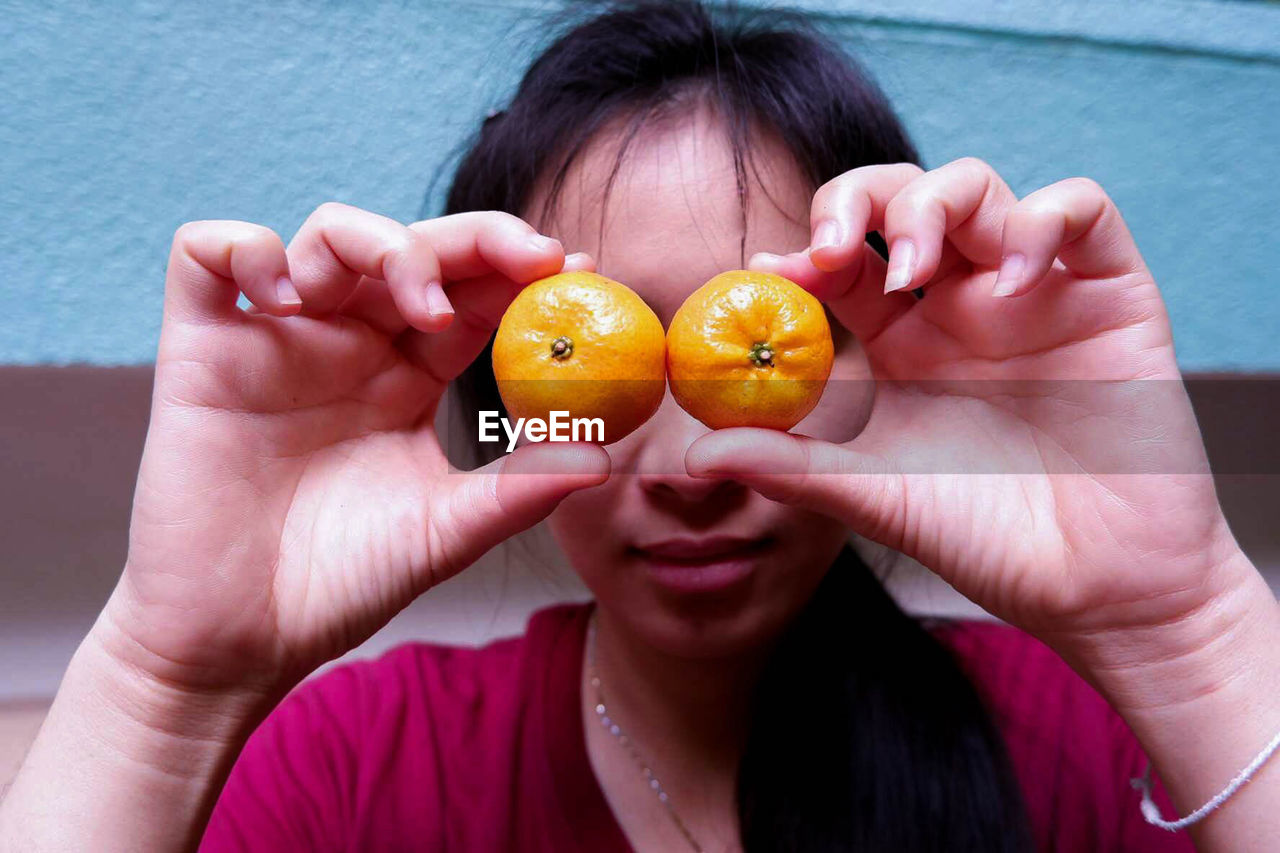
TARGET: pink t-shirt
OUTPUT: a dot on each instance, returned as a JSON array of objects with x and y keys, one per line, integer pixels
[{"x": 437, "y": 748}]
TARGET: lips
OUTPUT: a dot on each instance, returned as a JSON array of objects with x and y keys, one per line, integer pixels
[{"x": 703, "y": 564}]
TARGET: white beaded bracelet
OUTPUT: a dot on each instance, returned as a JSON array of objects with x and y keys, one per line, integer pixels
[{"x": 1151, "y": 811}]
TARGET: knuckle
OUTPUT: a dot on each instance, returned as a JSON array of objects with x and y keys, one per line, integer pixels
[
  {"x": 228, "y": 232},
  {"x": 847, "y": 186},
  {"x": 250, "y": 232},
  {"x": 254, "y": 238},
  {"x": 330, "y": 211},
  {"x": 1086, "y": 184},
  {"x": 474, "y": 220},
  {"x": 971, "y": 165},
  {"x": 1036, "y": 214},
  {"x": 847, "y": 182},
  {"x": 913, "y": 202},
  {"x": 1022, "y": 211},
  {"x": 189, "y": 231},
  {"x": 406, "y": 247},
  {"x": 909, "y": 175},
  {"x": 971, "y": 171},
  {"x": 831, "y": 187},
  {"x": 1057, "y": 200},
  {"x": 1086, "y": 187},
  {"x": 501, "y": 220},
  {"x": 401, "y": 250},
  {"x": 1035, "y": 210},
  {"x": 331, "y": 207},
  {"x": 895, "y": 170}
]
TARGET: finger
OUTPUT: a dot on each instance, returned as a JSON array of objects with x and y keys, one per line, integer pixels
[
  {"x": 472, "y": 246},
  {"x": 963, "y": 204},
  {"x": 855, "y": 295},
  {"x": 338, "y": 244},
  {"x": 832, "y": 479},
  {"x": 847, "y": 207},
  {"x": 212, "y": 262},
  {"x": 372, "y": 302},
  {"x": 480, "y": 242},
  {"x": 838, "y": 267},
  {"x": 480, "y": 303},
  {"x": 462, "y": 250},
  {"x": 484, "y": 507},
  {"x": 1074, "y": 221}
]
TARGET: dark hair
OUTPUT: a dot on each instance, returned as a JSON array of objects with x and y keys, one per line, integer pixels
[{"x": 865, "y": 734}]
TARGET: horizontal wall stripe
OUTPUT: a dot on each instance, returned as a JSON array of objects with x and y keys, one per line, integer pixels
[
  {"x": 71, "y": 438},
  {"x": 1248, "y": 31}
]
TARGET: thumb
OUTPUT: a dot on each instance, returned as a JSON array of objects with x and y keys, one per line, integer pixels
[
  {"x": 856, "y": 488},
  {"x": 486, "y": 506}
]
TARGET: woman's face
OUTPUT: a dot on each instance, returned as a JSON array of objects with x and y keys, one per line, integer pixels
[{"x": 694, "y": 567}]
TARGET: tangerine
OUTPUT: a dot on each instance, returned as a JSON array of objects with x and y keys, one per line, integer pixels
[
  {"x": 584, "y": 344},
  {"x": 749, "y": 349}
]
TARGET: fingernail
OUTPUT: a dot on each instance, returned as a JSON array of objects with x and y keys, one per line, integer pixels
[
  {"x": 539, "y": 243},
  {"x": 1010, "y": 275},
  {"x": 286, "y": 293},
  {"x": 902, "y": 265},
  {"x": 437, "y": 302},
  {"x": 576, "y": 258},
  {"x": 827, "y": 235}
]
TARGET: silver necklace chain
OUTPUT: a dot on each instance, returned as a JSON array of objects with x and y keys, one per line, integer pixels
[{"x": 611, "y": 726}]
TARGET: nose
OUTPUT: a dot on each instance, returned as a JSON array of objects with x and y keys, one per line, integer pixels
[{"x": 660, "y": 461}]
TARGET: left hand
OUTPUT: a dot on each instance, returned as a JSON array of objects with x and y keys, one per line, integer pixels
[{"x": 1036, "y": 449}]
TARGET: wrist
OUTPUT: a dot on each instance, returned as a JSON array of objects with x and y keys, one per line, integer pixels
[
  {"x": 1199, "y": 647},
  {"x": 154, "y": 719},
  {"x": 1201, "y": 691},
  {"x": 126, "y": 759}
]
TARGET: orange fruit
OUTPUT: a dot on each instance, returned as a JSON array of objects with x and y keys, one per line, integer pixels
[
  {"x": 749, "y": 349},
  {"x": 584, "y": 344}
]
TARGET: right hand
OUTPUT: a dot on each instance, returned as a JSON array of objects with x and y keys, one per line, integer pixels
[{"x": 293, "y": 495}]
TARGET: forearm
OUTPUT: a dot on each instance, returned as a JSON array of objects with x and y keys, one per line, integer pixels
[
  {"x": 1202, "y": 694},
  {"x": 123, "y": 762}
]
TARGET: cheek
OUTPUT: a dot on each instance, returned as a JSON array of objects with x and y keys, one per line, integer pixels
[
  {"x": 583, "y": 525},
  {"x": 810, "y": 543}
]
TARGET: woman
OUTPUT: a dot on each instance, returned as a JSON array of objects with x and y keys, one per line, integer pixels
[{"x": 743, "y": 680}]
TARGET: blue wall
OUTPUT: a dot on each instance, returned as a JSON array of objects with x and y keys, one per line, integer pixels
[{"x": 122, "y": 120}]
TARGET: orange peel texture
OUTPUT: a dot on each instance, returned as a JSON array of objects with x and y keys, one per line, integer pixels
[
  {"x": 749, "y": 349},
  {"x": 585, "y": 344}
]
